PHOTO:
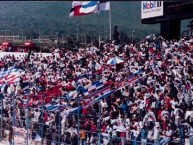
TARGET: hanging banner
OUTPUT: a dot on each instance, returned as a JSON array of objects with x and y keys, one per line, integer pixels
[
  {"x": 20, "y": 54},
  {"x": 20, "y": 136}
]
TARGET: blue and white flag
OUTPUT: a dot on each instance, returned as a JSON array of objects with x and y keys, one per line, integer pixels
[
  {"x": 80, "y": 8},
  {"x": 10, "y": 76},
  {"x": 89, "y": 7}
]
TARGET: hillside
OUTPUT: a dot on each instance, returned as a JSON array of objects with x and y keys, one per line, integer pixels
[{"x": 50, "y": 17}]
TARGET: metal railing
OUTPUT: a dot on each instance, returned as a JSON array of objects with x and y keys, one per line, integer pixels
[{"x": 28, "y": 137}]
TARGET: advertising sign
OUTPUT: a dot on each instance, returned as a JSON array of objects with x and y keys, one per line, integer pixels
[{"x": 150, "y": 9}]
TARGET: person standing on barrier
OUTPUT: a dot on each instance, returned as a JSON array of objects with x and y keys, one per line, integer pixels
[
  {"x": 10, "y": 134},
  {"x": 190, "y": 134},
  {"x": 156, "y": 135},
  {"x": 181, "y": 133},
  {"x": 33, "y": 131},
  {"x": 135, "y": 134},
  {"x": 168, "y": 136},
  {"x": 150, "y": 135},
  {"x": 144, "y": 133},
  {"x": 54, "y": 137},
  {"x": 74, "y": 139},
  {"x": 48, "y": 137},
  {"x": 83, "y": 137}
]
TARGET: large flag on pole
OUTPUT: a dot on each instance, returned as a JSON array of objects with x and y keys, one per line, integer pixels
[{"x": 80, "y": 8}]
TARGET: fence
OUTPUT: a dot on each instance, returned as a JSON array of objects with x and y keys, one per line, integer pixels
[
  {"x": 24, "y": 136},
  {"x": 27, "y": 130},
  {"x": 13, "y": 39},
  {"x": 20, "y": 137}
]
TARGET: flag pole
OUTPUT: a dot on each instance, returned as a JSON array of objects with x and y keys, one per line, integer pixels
[
  {"x": 110, "y": 21},
  {"x": 99, "y": 40},
  {"x": 99, "y": 25}
]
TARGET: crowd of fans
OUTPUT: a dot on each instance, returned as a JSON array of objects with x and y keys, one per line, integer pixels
[{"x": 155, "y": 108}]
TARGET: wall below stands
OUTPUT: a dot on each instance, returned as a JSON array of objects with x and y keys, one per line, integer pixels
[{"x": 19, "y": 54}]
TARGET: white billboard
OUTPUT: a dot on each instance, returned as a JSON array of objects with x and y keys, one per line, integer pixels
[{"x": 150, "y": 9}]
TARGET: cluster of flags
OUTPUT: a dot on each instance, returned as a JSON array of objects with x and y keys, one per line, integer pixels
[
  {"x": 80, "y": 8},
  {"x": 10, "y": 76}
]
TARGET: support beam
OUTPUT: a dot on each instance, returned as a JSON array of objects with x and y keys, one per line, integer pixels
[{"x": 171, "y": 30}]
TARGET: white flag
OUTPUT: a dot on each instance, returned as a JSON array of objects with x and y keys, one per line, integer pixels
[{"x": 104, "y": 6}]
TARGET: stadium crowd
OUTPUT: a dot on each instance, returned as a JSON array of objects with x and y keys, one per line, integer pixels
[{"x": 143, "y": 96}]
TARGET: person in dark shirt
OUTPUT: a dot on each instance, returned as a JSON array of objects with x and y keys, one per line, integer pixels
[
  {"x": 10, "y": 128},
  {"x": 5, "y": 112},
  {"x": 116, "y": 35},
  {"x": 6, "y": 87},
  {"x": 74, "y": 139},
  {"x": 181, "y": 131},
  {"x": 67, "y": 138}
]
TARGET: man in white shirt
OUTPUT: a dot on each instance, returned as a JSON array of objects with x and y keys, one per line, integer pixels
[
  {"x": 167, "y": 138},
  {"x": 156, "y": 135},
  {"x": 135, "y": 135},
  {"x": 150, "y": 116},
  {"x": 150, "y": 136},
  {"x": 3, "y": 87},
  {"x": 174, "y": 103},
  {"x": 36, "y": 115}
]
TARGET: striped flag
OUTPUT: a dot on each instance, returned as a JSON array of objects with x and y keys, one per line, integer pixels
[
  {"x": 10, "y": 76},
  {"x": 80, "y": 8}
]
